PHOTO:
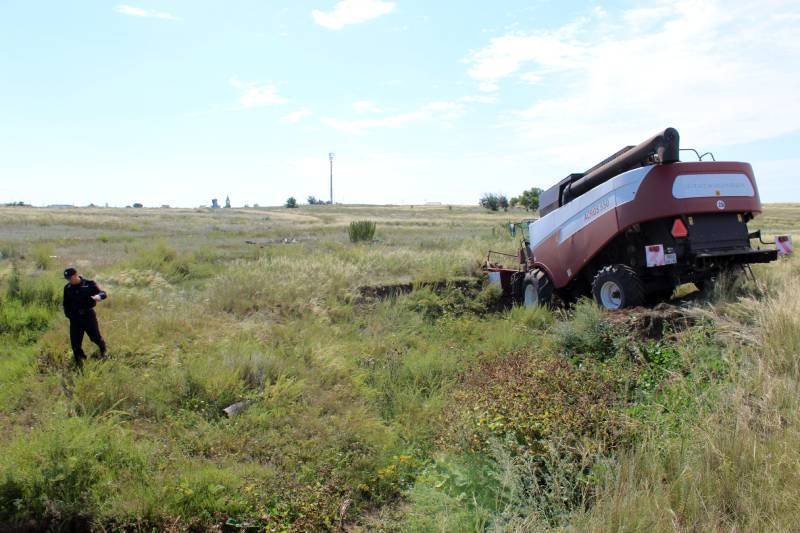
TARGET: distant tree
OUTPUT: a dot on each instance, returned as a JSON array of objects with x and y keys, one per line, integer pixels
[
  {"x": 493, "y": 202},
  {"x": 312, "y": 200},
  {"x": 528, "y": 199},
  {"x": 291, "y": 203},
  {"x": 489, "y": 201},
  {"x": 138, "y": 205}
]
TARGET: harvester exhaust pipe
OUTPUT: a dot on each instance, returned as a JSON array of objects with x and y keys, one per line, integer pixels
[{"x": 659, "y": 149}]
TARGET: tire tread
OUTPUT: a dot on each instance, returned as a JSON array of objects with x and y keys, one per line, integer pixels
[{"x": 628, "y": 280}]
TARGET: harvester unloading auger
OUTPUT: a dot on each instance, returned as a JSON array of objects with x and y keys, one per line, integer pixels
[{"x": 637, "y": 225}]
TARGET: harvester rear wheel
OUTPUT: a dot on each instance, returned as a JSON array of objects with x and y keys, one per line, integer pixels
[
  {"x": 617, "y": 287},
  {"x": 537, "y": 290}
]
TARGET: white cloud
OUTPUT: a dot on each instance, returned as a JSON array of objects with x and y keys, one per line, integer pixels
[
  {"x": 296, "y": 116},
  {"x": 504, "y": 55},
  {"x": 351, "y": 12},
  {"x": 441, "y": 110},
  {"x": 366, "y": 106},
  {"x": 133, "y": 11},
  {"x": 488, "y": 86},
  {"x": 721, "y": 72},
  {"x": 531, "y": 77},
  {"x": 256, "y": 94},
  {"x": 479, "y": 99}
]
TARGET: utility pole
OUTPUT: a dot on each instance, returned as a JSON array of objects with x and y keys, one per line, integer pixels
[{"x": 330, "y": 157}]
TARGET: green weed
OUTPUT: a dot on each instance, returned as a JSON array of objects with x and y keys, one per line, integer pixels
[
  {"x": 361, "y": 230},
  {"x": 66, "y": 470},
  {"x": 587, "y": 332},
  {"x": 42, "y": 255}
]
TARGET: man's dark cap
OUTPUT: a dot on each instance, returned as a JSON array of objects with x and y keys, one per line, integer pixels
[{"x": 69, "y": 272}]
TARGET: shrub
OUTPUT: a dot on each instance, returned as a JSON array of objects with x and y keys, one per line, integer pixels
[
  {"x": 65, "y": 471},
  {"x": 166, "y": 260},
  {"x": 42, "y": 254},
  {"x": 291, "y": 203},
  {"x": 493, "y": 202},
  {"x": 9, "y": 251},
  {"x": 530, "y": 399},
  {"x": 13, "y": 284},
  {"x": 28, "y": 305},
  {"x": 452, "y": 301},
  {"x": 587, "y": 333},
  {"x": 40, "y": 290},
  {"x": 26, "y": 321},
  {"x": 533, "y": 318},
  {"x": 361, "y": 230}
]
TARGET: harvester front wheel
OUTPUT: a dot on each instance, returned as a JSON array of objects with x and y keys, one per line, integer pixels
[
  {"x": 537, "y": 290},
  {"x": 517, "y": 288},
  {"x": 617, "y": 287}
]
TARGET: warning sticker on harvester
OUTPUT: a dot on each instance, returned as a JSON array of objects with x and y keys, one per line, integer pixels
[
  {"x": 655, "y": 255},
  {"x": 783, "y": 243}
]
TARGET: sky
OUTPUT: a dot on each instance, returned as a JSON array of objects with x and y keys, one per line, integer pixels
[{"x": 180, "y": 101}]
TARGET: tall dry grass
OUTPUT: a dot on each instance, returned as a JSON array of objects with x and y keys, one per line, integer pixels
[{"x": 738, "y": 468}]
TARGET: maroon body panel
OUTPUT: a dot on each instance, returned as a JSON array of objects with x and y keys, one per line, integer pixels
[
  {"x": 653, "y": 200},
  {"x": 572, "y": 254}
]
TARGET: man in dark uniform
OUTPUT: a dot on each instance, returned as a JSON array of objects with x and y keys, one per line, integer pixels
[{"x": 80, "y": 297}]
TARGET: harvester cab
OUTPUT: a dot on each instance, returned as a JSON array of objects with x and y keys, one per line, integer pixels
[{"x": 635, "y": 226}]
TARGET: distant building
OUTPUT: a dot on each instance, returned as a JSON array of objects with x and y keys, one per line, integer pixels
[
  {"x": 227, "y": 202},
  {"x": 214, "y": 203}
]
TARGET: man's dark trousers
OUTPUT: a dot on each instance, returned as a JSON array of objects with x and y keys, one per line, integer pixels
[{"x": 85, "y": 322}]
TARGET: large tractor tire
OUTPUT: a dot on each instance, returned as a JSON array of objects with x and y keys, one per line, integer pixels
[
  {"x": 537, "y": 290},
  {"x": 617, "y": 287},
  {"x": 517, "y": 288}
]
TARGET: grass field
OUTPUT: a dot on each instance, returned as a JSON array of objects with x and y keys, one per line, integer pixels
[{"x": 436, "y": 410}]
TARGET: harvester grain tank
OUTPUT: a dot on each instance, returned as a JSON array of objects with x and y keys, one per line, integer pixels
[{"x": 635, "y": 226}]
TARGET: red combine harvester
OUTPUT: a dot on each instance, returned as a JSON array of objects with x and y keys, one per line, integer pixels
[{"x": 635, "y": 226}]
